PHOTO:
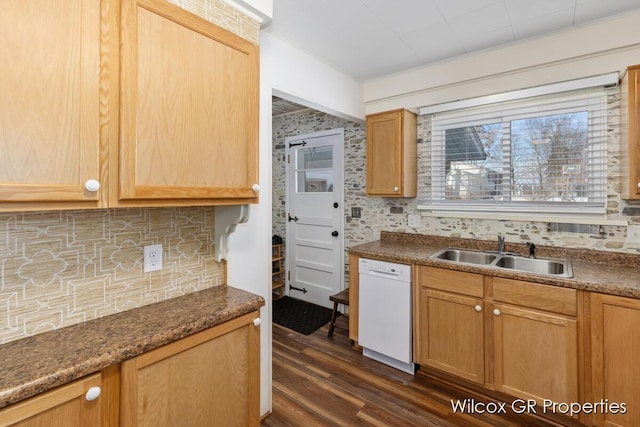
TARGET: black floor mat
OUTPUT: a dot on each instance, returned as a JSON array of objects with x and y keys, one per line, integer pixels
[{"x": 301, "y": 316}]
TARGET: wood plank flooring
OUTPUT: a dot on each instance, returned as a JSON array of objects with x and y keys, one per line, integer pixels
[{"x": 322, "y": 381}]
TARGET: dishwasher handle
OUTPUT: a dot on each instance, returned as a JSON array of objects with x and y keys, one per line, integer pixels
[{"x": 384, "y": 274}]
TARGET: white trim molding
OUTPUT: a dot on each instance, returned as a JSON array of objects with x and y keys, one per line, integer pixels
[{"x": 609, "y": 79}]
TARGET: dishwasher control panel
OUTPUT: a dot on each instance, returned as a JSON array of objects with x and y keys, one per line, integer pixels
[{"x": 392, "y": 270}]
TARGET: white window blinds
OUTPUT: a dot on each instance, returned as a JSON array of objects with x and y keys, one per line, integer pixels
[{"x": 541, "y": 154}]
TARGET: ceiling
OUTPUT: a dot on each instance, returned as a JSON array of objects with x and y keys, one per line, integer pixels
[
  {"x": 372, "y": 38},
  {"x": 281, "y": 106}
]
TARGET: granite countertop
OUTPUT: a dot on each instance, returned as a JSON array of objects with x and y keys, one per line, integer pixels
[
  {"x": 39, "y": 363},
  {"x": 612, "y": 273}
]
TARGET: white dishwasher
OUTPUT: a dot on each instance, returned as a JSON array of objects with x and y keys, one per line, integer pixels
[{"x": 384, "y": 319}]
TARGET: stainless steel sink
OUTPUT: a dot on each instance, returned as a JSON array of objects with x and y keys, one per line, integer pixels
[
  {"x": 555, "y": 267},
  {"x": 466, "y": 256},
  {"x": 545, "y": 266}
]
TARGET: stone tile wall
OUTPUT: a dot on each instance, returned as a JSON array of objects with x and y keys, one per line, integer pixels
[{"x": 392, "y": 214}]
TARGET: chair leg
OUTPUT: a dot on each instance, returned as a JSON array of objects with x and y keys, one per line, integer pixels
[{"x": 333, "y": 319}]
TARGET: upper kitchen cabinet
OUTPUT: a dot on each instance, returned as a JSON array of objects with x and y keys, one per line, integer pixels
[
  {"x": 188, "y": 111},
  {"x": 53, "y": 89},
  {"x": 630, "y": 141},
  {"x": 392, "y": 154}
]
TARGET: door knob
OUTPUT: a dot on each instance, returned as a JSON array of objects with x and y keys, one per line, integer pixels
[{"x": 334, "y": 233}]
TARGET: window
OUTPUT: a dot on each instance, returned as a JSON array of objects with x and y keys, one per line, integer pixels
[
  {"x": 544, "y": 154},
  {"x": 314, "y": 170}
]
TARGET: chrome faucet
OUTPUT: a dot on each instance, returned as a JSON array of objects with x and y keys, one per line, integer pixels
[{"x": 500, "y": 244}]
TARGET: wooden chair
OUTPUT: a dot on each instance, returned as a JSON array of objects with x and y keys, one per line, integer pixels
[{"x": 339, "y": 298}]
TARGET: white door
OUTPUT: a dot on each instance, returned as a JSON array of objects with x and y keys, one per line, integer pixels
[{"x": 315, "y": 216}]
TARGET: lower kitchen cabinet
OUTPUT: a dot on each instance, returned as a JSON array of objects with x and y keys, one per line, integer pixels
[
  {"x": 209, "y": 378},
  {"x": 615, "y": 372},
  {"x": 65, "y": 406},
  {"x": 535, "y": 331},
  {"x": 516, "y": 337},
  {"x": 449, "y": 326}
]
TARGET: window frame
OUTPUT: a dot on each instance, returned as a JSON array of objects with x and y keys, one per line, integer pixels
[{"x": 505, "y": 112}]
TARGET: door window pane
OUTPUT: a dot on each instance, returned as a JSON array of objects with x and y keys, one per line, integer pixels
[
  {"x": 320, "y": 181},
  {"x": 314, "y": 158},
  {"x": 314, "y": 169}
]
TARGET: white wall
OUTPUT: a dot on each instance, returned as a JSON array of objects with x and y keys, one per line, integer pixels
[
  {"x": 291, "y": 73},
  {"x": 588, "y": 50},
  {"x": 302, "y": 78},
  {"x": 249, "y": 254}
]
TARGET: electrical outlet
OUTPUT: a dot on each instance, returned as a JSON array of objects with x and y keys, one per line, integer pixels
[
  {"x": 356, "y": 212},
  {"x": 633, "y": 234},
  {"x": 152, "y": 258}
]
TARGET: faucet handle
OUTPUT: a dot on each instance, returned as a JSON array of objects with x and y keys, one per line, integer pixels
[{"x": 532, "y": 249}]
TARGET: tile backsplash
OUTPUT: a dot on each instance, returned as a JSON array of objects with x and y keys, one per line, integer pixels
[
  {"x": 61, "y": 268},
  {"x": 223, "y": 15}
]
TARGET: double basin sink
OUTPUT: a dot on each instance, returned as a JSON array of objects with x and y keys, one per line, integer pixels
[{"x": 508, "y": 261}]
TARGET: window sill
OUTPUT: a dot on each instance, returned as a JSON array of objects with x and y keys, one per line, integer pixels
[{"x": 572, "y": 218}]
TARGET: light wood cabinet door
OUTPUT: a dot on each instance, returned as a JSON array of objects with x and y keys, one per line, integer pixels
[
  {"x": 536, "y": 354},
  {"x": 53, "y": 90},
  {"x": 392, "y": 154},
  {"x": 451, "y": 328},
  {"x": 630, "y": 138},
  {"x": 65, "y": 406},
  {"x": 209, "y": 378},
  {"x": 188, "y": 110},
  {"x": 615, "y": 341}
]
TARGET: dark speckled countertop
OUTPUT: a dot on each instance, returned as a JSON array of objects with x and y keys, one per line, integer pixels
[
  {"x": 39, "y": 363},
  {"x": 612, "y": 273}
]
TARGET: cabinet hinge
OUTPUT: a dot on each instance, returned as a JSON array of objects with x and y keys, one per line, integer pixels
[
  {"x": 289, "y": 275},
  {"x": 288, "y": 158}
]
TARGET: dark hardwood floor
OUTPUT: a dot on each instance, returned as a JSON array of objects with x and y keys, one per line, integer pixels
[{"x": 321, "y": 381}]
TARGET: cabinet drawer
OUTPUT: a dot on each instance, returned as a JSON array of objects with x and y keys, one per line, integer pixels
[
  {"x": 451, "y": 281},
  {"x": 541, "y": 297}
]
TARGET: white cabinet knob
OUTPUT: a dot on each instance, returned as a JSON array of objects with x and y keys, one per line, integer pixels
[
  {"x": 256, "y": 321},
  {"x": 255, "y": 188},
  {"x": 639, "y": 185},
  {"x": 92, "y": 185},
  {"x": 478, "y": 307},
  {"x": 92, "y": 394},
  {"x": 496, "y": 312},
  {"x": 396, "y": 189}
]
